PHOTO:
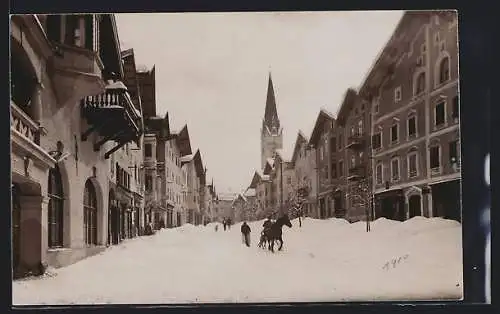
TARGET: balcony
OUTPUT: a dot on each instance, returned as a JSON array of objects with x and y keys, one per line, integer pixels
[
  {"x": 356, "y": 173},
  {"x": 112, "y": 116},
  {"x": 355, "y": 141},
  {"x": 76, "y": 72},
  {"x": 25, "y": 136}
]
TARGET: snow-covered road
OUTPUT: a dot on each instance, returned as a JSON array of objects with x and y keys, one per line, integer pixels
[{"x": 325, "y": 260}]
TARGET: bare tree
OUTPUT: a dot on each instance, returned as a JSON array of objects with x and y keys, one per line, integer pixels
[
  {"x": 361, "y": 195},
  {"x": 297, "y": 199}
]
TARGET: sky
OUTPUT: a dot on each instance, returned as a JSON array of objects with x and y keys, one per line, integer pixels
[{"x": 212, "y": 71}]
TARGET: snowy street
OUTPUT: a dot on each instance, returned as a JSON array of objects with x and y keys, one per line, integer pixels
[{"x": 325, "y": 260}]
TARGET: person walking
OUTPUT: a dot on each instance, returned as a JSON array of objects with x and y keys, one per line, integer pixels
[
  {"x": 224, "y": 223},
  {"x": 245, "y": 232}
]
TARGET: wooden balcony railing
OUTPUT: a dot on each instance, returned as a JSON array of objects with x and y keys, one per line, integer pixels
[{"x": 22, "y": 123}]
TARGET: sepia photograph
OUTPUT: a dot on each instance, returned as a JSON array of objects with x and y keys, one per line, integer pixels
[{"x": 236, "y": 157}]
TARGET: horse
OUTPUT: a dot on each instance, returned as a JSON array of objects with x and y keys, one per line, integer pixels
[{"x": 274, "y": 233}]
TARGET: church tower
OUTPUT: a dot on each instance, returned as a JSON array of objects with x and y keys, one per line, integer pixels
[{"x": 271, "y": 133}]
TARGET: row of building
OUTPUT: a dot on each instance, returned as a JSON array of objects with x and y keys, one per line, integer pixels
[
  {"x": 392, "y": 149},
  {"x": 91, "y": 161}
]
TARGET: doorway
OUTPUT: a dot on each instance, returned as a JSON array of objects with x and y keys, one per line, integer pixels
[
  {"x": 322, "y": 211},
  {"x": 414, "y": 206}
]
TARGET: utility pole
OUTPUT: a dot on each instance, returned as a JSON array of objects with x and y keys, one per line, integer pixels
[{"x": 281, "y": 186}]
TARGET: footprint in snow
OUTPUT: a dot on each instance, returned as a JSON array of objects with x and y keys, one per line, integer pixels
[{"x": 311, "y": 255}]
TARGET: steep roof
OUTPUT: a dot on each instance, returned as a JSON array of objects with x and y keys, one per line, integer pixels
[
  {"x": 298, "y": 142},
  {"x": 255, "y": 179},
  {"x": 183, "y": 141},
  {"x": 323, "y": 116},
  {"x": 269, "y": 166},
  {"x": 350, "y": 98},
  {"x": 198, "y": 166}
]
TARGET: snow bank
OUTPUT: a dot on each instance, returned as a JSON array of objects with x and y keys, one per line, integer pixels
[{"x": 324, "y": 260}]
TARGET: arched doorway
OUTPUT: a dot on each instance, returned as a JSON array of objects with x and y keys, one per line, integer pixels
[
  {"x": 414, "y": 205},
  {"x": 90, "y": 213},
  {"x": 55, "y": 217},
  {"x": 16, "y": 230}
]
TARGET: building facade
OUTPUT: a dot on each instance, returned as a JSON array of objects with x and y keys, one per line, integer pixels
[
  {"x": 304, "y": 164},
  {"x": 61, "y": 180},
  {"x": 193, "y": 166},
  {"x": 351, "y": 151},
  {"x": 413, "y": 87},
  {"x": 320, "y": 141}
]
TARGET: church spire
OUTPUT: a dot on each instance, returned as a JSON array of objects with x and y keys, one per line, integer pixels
[{"x": 271, "y": 120}]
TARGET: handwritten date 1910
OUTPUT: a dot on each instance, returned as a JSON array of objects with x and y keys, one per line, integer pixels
[{"x": 394, "y": 262}]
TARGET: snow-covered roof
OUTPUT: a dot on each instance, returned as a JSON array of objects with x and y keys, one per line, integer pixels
[
  {"x": 142, "y": 68},
  {"x": 239, "y": 196},
  {"x": 270, "y": 161},
  {"x": 250, "y": 192},
  {"x": 328, "y": 113},
  {"x": 187, "y": 158},
  {"x": 303, "y": 135}
]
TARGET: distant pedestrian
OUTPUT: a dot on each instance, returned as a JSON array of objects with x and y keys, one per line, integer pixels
[
  {"x": 229, "y": 222},
  {"x": 245, "y": 232},
  {"x": 216, "y": 227},
  {"x": 224, "y": 223}
]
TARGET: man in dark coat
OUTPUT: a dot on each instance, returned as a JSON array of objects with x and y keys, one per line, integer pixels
[{"x": 245, "y": 231}]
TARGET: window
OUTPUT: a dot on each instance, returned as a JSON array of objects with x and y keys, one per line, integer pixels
[
  {"x": 341, "y": 168},
  {"x": 334, "y": 170},
  {"x": 379, "y": 173},
  {"x": 353, "y": 161},
  {"x": 72, "y": 30},
  {"x": 439, "y": 114},
  {"x": 444, "y": 70},
  {"x": 395, "y": 169},
  {"x": 149, "y": 183},
  {"x": 90, "y": 214},
  {"x": 353, "y": 130},
  {"x": 54, "y": 27},
  {"x": 333, "y": 144},
  {"x": 434, "y": 157},
  {"x": 394, "y": 133},
  {"x": 340, "y": 141},
  {"x": 454, "y": 112},
  {"x": 55, "y": 210},
  {"x": 148, "y": 150},
  {"x": 412, "y": 126},
  {"x": 397, "y": 94},
  {"x": 453, "y": 149},
  {"x": 376, "y": 108},
  {"x": 412, "y": 165},
  {"x": 377, "y": 140},
  {"x": 420, "y": 83},
  {"x": 360, "y": 127},
  {"x": 321, "y": 152},
  {"x": 289, "y": 180}
]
